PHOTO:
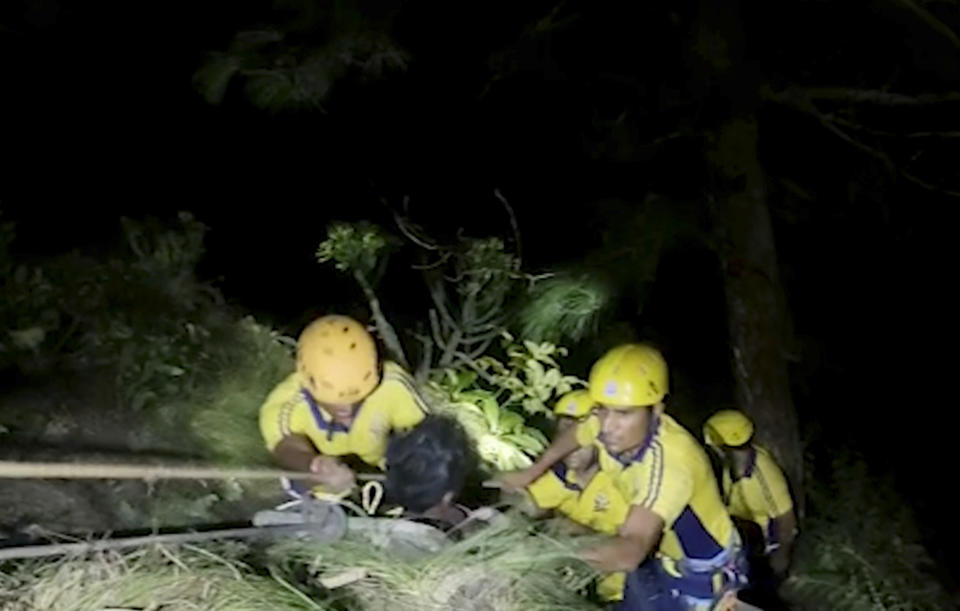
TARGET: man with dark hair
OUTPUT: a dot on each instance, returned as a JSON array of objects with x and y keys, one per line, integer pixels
[{"x": 428, "y": 467}]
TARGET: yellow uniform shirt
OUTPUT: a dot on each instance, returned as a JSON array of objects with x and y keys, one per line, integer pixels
[
  {"x": 760, "y": 496},
  {"x": 671, "y": 476},
  {"x": 393, "y": 405},
  {"x": 599, "y": 506}
]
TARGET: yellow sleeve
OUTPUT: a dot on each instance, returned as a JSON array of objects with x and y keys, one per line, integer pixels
[
  {"x": 773, "y": 487},
  {"x": 664, "y": 486},
  {"x": 398, "y": 397},
  {"x": 548, "y": 492},
  {"x": 284, "y": 412},
  {"x": 588, "y": 431}
]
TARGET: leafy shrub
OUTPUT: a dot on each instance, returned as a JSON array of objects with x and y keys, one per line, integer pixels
[
  {"x": 493, "y": 399},
  {"x": 859, "y": 549}
]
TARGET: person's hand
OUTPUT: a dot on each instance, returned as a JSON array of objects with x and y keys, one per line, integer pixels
[
  {"x": 333, "y": 474},
  {"x": 511, "y": 481},
  {"x": 780, "y": 563}
]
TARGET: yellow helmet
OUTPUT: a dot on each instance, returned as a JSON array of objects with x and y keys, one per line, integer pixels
[
  {"x": 337, "y": 360},
  {"x": 727, "y": 427},
  {"x": 629, "y": 375},
  {"x": 574, "y": 404}
]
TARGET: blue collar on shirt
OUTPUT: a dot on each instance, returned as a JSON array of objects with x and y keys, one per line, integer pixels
[
  {"x": 560, "y": 470},
  {"x": 331, "y": 426},
  {"x": 638, "y": 454}
]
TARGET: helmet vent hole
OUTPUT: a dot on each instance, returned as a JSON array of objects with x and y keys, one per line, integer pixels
[
  {"x": 367, "y": 377},
  {"x": 353, "y": 345},
  {"x": 313, "y": 382},
  {"x": 346, "y": 329}
]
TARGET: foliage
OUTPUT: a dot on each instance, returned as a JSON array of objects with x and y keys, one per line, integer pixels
[
  {"x": 564, "y": 307},
  {"x": 225, "y": 409},
  {"x": 505, "y": 566},
  {"x": 178, "y": 579},
  {"x": 859, "y": 549},
  {"x": 492, "y": 399},
  {"x": 531, "y": 375},
  {"x": 356, "y": 248},
  {"x": 294, "y": 66},
  {"x": 187, "y": 365},
  {"x": 470, "y": 284},
  {"x": 28, "y": 308}
]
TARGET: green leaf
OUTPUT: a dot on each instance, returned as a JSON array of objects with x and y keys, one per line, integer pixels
[
  {"x": 538, "y": 435},
  {"x": 535, "y": 371},
  {"x": 533, "y": 405},
  {"x": 511, "y": 422},
  {"x": 527, "y": 443},
  {"x": 492, "y": 413}
]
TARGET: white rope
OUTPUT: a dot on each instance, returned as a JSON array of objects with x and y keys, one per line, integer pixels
[{"x": 39, "y": 470}]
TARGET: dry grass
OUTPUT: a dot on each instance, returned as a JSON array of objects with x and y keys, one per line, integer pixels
[
  {"x": 171, "y": 579},
  {"x": 504, "y": 567}
]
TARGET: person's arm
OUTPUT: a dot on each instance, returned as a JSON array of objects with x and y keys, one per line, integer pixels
[
  {"x": 638, "y": 536},
  {"x": 295, "y": 453},
  {"x": 786, "y": 526},
  {"x": 563, "y": 445},
  {"x": 775, "y": 502},
  {"x": 663, "y": 490}
]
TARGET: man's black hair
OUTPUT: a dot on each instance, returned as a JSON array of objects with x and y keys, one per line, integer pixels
[{"x": 424, "y": 464}]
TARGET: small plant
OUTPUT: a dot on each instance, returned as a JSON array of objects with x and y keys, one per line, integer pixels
[
  {"x": 355, "y": 248},
  {"x": 531, "y": 376},
  {"x": 493, "y": 400},
  {"x": 361, "y": 250}
]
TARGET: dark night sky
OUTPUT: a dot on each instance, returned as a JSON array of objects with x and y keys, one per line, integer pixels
[{"x": 99, "y": 119}]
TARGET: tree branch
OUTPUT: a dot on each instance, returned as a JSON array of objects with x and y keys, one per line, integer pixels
[
  {"x": 430, "y": 266},
  {"x": 479, "y": 350},
  {"x": 481, "y": 338},
  {"x": 867, "y": 96},
  {"x": 423, "y": 369},
  {"x": 886, "y": 134},
  {"x": 438, "y": 297},
  {"x": 387, "y": 333},
  {"x": 808, "y": 107},
  {"x": 931, "y": 20},
  {"x": 513, "y": 222},
  {"x": 469, "y": 362},
  {"x": 435, "y": 328}
]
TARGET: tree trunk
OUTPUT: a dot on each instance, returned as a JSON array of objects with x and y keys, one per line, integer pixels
[{"x": 756, "y": 310}]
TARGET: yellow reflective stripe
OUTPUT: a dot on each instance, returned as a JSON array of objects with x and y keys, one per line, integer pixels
[
  {"x": 408, "y": 383},
  {"x": 656, "y": 477},
  {"x": 767, "y": 494},
  {"x": 285, "y": 415}
]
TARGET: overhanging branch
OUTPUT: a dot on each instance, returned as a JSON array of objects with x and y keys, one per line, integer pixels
[
  {"x": 863, "y": 96},
  {"x": 806, "y": 105},
  {"x": 931, "y": 20}
]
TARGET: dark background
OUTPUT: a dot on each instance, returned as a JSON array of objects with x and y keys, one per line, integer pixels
[{"x": 98, "y": 118}]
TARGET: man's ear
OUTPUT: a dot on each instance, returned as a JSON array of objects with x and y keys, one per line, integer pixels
[
  {"x": 658, "y": 409},
  {"x": 447, "y": 498}
]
